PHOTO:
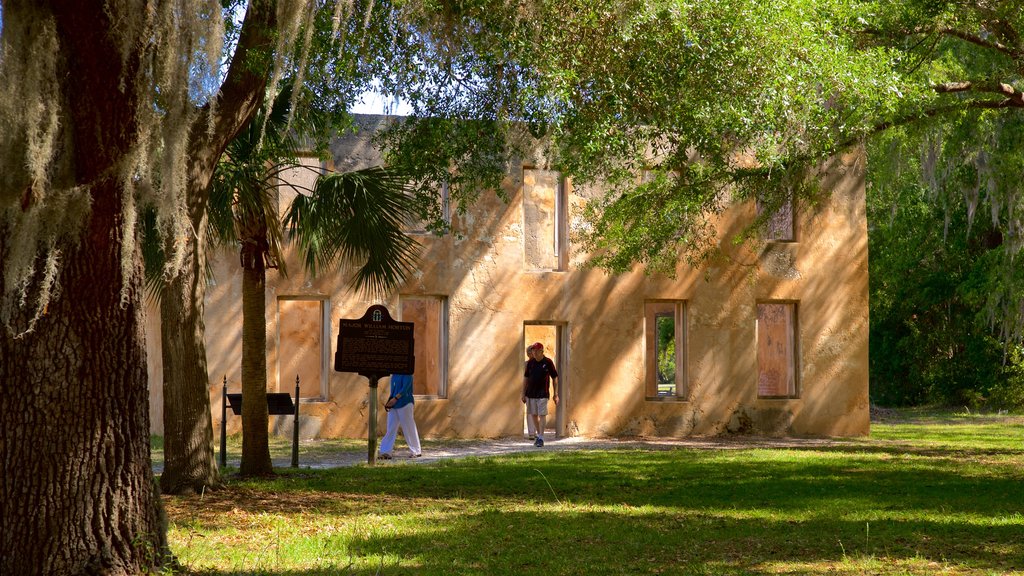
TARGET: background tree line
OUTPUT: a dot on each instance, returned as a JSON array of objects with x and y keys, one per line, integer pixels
[{"x": 935, "y": 261}]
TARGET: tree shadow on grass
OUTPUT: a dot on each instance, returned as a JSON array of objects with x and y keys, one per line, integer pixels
[
  {"x": 499, "y": 542},
  {"x": 689, "y": 543},
  {"x": 673, "y": 479},
  {"x": 673, "y": 511}
]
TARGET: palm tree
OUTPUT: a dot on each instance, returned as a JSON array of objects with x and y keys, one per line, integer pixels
[{"x": 352, "y": 218}]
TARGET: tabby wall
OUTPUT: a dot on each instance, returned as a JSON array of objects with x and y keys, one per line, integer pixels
[{"x": 769, "y": 339}]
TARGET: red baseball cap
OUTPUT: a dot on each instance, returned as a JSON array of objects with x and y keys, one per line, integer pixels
[{"x": 536, "y": 345}]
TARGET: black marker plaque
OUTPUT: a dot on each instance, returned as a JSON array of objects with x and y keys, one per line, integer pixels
[{"x": 375, "y": 345}]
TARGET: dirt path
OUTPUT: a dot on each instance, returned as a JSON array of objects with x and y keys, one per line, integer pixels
[{"x": 443, "y": 450}]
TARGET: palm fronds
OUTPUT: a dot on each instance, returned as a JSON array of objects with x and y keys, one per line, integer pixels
[{"x": 356, "y": 219}]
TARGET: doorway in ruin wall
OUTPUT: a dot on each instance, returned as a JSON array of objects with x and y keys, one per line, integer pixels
[{"x": 552, "y": 336}]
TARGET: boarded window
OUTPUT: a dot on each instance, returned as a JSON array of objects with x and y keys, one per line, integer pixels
[
  {"x": 665, "y": 347},
  {"x": 301, "y": 348},
  {"x": 776, "y": 350},
  {"x": 779, "y": 227},
  {"x": 543, "y": 220},
  {"x": 429, "y": 314}
]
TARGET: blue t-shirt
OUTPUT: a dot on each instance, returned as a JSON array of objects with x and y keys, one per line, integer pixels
[{"x": 401, "y": 384}]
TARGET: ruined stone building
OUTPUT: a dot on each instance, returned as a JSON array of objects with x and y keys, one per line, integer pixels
[{"x": 769, "y": 339}]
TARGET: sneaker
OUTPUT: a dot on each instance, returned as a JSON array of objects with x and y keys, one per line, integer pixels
[
  {"x": 533, "y": 436},
  {"x": 539, "y": 443},
  {"x": 384, "y": 456},
  {"x": 415, "y": 455}
]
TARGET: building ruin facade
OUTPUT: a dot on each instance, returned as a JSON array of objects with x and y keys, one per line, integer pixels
[{"x": 769, "y": 339}]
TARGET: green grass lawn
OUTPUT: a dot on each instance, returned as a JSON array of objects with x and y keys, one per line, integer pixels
[{"x": 930, "y": 495}]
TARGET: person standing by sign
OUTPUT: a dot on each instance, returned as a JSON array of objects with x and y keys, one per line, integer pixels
[
  {"x": 540, "y": 371},
  {"x": 400, "y": 407}
]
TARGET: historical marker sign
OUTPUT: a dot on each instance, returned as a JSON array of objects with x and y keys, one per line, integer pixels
[{"x": 375, "y": 345}]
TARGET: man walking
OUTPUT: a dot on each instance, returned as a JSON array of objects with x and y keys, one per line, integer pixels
[
  {"x": 400, "y": 416},
  {"x": 540, "y": 372}
]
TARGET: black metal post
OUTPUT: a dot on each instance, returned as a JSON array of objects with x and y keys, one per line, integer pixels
[
  {"x": 371, "y": 442},
  {"x": 295, "y": 428},
  {"x": 224, "y": 424}
]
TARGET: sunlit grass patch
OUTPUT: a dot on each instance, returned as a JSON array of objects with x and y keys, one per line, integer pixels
[{"x": 920, "y": 500}]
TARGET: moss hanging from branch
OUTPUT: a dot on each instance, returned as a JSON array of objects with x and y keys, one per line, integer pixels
[{"x": 170, "y": 56}]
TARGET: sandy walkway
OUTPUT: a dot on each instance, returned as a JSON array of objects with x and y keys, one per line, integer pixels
[{"x": 435, "y": 451}]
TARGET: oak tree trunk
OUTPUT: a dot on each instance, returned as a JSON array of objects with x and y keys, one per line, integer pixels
[
  {"x": 77, "y": 485},
  {"x": 77, "y": 488},
  {"x": 188, "y": 429},
  {"x": 189, "y": 462}
]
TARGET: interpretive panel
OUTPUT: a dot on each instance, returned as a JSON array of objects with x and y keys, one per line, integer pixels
[{"x": 375, "y": 345}]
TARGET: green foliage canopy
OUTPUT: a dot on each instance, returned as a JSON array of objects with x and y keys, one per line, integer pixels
[
  {"x": 722, "y": 101},
  {"x": 694, "y": 93}
]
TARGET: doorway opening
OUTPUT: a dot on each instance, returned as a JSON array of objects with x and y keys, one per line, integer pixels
[{"x": 552, "y": 336}]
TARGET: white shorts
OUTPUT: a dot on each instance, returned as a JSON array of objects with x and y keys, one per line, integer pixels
[{"x": 537, "y": 406}]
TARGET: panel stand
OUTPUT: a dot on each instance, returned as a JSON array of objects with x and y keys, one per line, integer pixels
[
  {"x": 224, "y": 424},
  {"x": 295, "y": 427}
]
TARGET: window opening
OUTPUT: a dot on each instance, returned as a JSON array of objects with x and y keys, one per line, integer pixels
[
  {"x": 780, "y": 225},
  {"x": 544, "y": 220},
  {"x": 665, "y": 353},
  {"x": 301, "y": 346},
  {"x": 665, "y": 347}
]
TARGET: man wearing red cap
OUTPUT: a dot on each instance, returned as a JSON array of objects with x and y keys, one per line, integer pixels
[{"x": 540, "y": 371}]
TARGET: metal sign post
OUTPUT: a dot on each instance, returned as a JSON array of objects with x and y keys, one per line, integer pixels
[
  {"x": 374, "y": 346},
  {"x": 295, "y": 427},
  {"x": 224, "y": 425}
]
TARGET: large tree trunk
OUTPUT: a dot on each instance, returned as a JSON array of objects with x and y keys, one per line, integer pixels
[
  {"x": 255, "y": 437},
  {"x": 188, "y": 427},
  {"x": 189, "y": 462},
  {"x": 77, "y": 485}
]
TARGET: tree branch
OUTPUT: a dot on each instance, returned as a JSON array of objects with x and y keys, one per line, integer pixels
[
  {"x": 239, "y": 96},
  {"x": 1014, "y": 96},
  {"x": 978, "y": 40},
  {"x": 881, "y": 127},
  {"x": 1014, "y": 53},
  {"x": 932, "y": 112}
]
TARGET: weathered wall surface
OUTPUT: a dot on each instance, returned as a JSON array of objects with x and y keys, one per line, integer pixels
[{"x": 499, "y": 278}]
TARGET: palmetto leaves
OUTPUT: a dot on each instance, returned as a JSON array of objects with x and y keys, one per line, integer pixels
[
  {"x": 356, "y": 219},
  {"x": 243, "y": 200},
  {"x": 348, "y": 219}
]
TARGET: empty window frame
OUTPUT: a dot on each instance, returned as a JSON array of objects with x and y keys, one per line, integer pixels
[
  {"x": 303, "y": 345},
  {"x": 429, "y": 314},
  {"x": 780, "y": 226},
  {"x": 665, "y": 349},
  {"x": 544, "y": 220},
  {"x": 777, "y": 354}
]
